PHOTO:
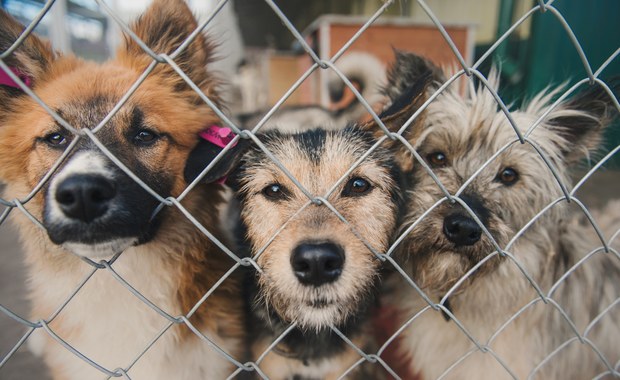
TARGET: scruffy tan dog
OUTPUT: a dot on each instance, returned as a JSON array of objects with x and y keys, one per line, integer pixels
[
  {"x": 90, "y": 208},
  {"x": 476, "y": 255},
  {"x": 317, "y": 271}
]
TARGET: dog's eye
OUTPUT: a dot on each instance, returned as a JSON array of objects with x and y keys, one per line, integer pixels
[
  {"x": 145, "y": 137},
  {"x": 437, "y": 159},
  {"x": 55, "y": 139},
  {"x": 274, "y": 191},
  {"x": 356, "y": 187},
  {"x": 508, "y": 176}
]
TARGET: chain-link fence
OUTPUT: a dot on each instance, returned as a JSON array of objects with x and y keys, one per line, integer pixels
[{"x": 378, "y": 357}]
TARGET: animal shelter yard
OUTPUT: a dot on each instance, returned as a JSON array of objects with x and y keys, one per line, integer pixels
[{"x": 363, "y": 189}]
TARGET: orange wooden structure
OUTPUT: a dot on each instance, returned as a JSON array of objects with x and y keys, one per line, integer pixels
[{"x": 329, "y": 33}]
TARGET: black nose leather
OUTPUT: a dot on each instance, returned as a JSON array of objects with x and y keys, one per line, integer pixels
[
  {"x": 85, "y": 197},
  {"x": 461, "y": 229},
  {"x": 317, "y": 264}
]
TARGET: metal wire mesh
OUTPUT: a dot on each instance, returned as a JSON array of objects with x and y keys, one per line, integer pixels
[{"x": 124, "y": 369}]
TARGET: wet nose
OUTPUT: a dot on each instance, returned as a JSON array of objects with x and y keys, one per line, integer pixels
[
  {"x": 317, "y": 264},
  {"x": 461, "y": 229},
  {"x": 85, "y": 197}
]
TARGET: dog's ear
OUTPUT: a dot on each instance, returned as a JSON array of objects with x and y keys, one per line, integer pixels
[
  {"x": 205, "y": 152},
  {"x": 164, "y": 26},
  {"x": 410, "y": 80},
  {"x": 581, "y": 121},
  {"x": 408, "y": 69},
  {"x": 29, "y": 61}
]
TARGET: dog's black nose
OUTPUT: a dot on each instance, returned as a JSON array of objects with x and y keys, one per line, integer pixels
[
  {"x": 317, "y": 264},
  {"x": 85, "y": 197},
  {"x": 461, "y": 229}
]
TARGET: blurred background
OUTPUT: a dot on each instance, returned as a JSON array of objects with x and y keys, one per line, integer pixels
[
  {"x": 260, "y": 60},
  {"x": 254, "y": 43}
]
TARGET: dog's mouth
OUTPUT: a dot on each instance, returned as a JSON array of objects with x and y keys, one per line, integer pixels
[
  {"x": 103, "y": 238},
  {"x": 320, "y": 303},
  {"x": 100, "y": 250},
  {"x": 97, "y": 214},
  {"x": 455, "y": 234}
]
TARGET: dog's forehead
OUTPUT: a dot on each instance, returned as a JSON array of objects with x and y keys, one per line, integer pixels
[
  {"x": 79, "y": 81},
  {"x": 324, "y": 150},
  {"x": 87, "y": 93},
  {"x": 318, "y": 157},
  {"x": 475, "y": 130},
  {"x": 86, "y": 112}
]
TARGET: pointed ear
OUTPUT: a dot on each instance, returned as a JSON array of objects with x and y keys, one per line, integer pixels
[
  {"x": 164, "y": 26},
  {"x": 30, "y": 60},
  {"x": 582, "y": 120},
  {"x": 205, "y": 152},
  {"x": 410, "y": 80},
  {"x": 407, "y": 69}
]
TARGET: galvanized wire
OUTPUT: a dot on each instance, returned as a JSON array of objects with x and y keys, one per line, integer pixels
[{"x": 322, "y": 200}]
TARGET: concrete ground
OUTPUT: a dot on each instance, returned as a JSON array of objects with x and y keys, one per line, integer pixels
[{"x": 604, "y": 185}]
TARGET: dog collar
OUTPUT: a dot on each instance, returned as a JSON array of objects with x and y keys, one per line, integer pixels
[
  {"x": 6, "y": 80},
  {"x": 218, "y": 136}
]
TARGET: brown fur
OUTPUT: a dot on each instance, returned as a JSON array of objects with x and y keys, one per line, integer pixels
[{"x": 179, "y": 256}]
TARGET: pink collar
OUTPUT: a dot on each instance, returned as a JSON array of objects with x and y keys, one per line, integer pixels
[
  {"x": 6, "y": 80},
  {"x": 219, "y": 136}
]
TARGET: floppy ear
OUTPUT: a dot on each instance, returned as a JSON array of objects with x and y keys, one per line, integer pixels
[
  {"x": 409, "y": 81},
  {"x": 29, "y": 61},
  {"x": 581, "y": 121},
  {"x": 164, "y": 26},
  {"x": 205, "y": 152}
]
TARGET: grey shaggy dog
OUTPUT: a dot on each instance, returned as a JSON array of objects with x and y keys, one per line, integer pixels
[{"x": 450, "y": 249}]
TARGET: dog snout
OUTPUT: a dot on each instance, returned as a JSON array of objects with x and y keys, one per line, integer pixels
[
  {"x": 85, "y": 197},
  {"x": 461, "y": 229},
  {"x": 317, "y": 264}
]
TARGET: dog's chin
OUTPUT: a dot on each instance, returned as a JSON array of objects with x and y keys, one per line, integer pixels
[
  {"x": 319, "y": 312},
  {"x": 100, "y": 250},
  {"x": 100, "y": 239},
  {"x": 437, "y": 273},
  {"x": 439, "y": 269},
  {"x": 318, "y": 315},
  {"x": 312, "y": 308}
]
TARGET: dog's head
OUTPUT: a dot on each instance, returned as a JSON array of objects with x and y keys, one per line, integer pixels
[
  {"x": 89, "y": 204},
  {"x": 471, "y": 147},
  {"x": 317, "y": 269}
]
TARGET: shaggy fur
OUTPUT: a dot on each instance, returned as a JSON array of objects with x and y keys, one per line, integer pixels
[
  {"x": 282, "y": 221},
  {"x": 456, "y": 135},
  {"x": 164, "y": 257}
]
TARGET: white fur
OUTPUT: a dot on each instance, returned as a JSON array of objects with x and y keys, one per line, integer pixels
[
  {"x": 101, "y": 250},
  {"x": 111, "y": 326}
]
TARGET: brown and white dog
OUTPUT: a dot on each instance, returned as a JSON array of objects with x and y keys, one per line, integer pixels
[
  {"x": 90, "y": 208},
  {"x": 492, "y": 323}
]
